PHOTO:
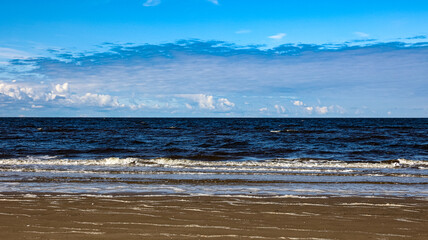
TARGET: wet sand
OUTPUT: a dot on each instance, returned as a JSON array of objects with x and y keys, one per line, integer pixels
[{"x": 183, "y": 217}]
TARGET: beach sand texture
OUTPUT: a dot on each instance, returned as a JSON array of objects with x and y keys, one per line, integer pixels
[{"x": 210, "y": 217}]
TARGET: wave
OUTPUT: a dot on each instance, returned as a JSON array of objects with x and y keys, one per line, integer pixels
[
  {"x": 299, "y": 176},
  {"x": 277, "y": 163}
]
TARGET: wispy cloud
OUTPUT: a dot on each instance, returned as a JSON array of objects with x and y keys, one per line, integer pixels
[
  {"x": 277, "y": 36},
  {"x": 362, "y": 34},
  {"x": 243, "y": 31},
  {"x": 417, "y": 37},
  {"x": 279, "y": 109},
  {"x": 151, "y": 3},
  {"x": 10, "y": 53},
  {"x": 213, "y": 1}
]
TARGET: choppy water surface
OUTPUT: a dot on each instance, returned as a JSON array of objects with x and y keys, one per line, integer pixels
[{"x": 215, "y": 156}]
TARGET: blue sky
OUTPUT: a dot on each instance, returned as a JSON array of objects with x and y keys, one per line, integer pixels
[{"x": 216, "y": 58}]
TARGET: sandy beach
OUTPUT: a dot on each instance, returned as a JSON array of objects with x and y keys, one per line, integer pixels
[{"x": 213, "y": 217}]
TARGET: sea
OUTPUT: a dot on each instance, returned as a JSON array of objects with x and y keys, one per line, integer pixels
[{"x": 301, "y": 157}]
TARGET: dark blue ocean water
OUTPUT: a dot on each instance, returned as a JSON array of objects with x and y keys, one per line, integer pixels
[
  {"x": 215, "y": 139},
  {"x": 278, "y": 157}
]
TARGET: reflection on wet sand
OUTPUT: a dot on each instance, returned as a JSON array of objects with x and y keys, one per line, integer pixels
[{"x": 193, "y": 217}]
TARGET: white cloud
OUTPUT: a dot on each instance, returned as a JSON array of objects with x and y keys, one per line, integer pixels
[
  {"x": 321, "y": 110},
  {"x": 93, "y": 99},
  {"x": 213, "y": 1},
  {"x": 136, "y": 106},
  {"x": 61, "y": 88},
  {"x": 317, "y": 109},
  {"x": 204, "y": 101},
  {"x": 309, "y": 109},
  {"x": 298, "y": 103},
  {"x": 225, "y": 104},
  {"x": 17, "y": 92},
  {"x": 278, "y": 36},
  {"x": 34, "y": 93},
  {"x": 151, "y": 3},
  {"x": 361, "y": 34},
  {"x": 59, "y": 93},
  {"x": 279, "y": 109},
  {"x": 188, "y": 106},
  {"x": 207, "y": 102}
]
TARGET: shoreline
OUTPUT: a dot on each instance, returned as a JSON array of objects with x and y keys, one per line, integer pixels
[{"x": 123, "y": 216}]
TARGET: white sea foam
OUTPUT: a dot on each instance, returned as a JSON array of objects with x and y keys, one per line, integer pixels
[
  {"x": 284, "y": 177},
  {"x": 183, "y": 163}
]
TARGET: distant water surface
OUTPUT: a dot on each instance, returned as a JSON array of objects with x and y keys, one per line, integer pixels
[{"x": 215, "y": 156}]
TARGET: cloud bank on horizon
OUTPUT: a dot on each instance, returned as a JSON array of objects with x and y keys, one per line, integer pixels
[
  {"x": 214, "y": 78},
  {"x": 261, "y": 65}
]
